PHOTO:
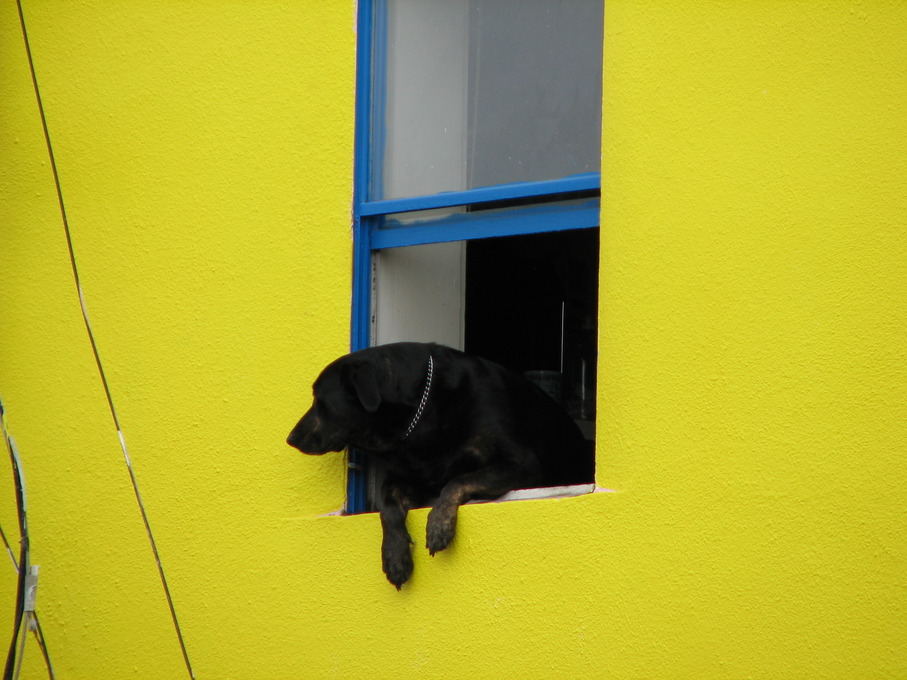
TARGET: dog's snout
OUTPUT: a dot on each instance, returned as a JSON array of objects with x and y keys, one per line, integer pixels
[
  {"x": 308, "y": 436},
  {"x": 304, "y": 431}
]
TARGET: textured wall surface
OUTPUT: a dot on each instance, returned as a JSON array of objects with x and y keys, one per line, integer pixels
[
  {"x": 754, "y": 364},
  {"x": 753, "y": 389}
]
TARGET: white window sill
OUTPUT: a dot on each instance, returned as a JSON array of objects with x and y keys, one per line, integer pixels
[{"x": 545, "y": 492}]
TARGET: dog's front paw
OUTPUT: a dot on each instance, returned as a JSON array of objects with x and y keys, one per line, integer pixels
[
  {"x": 441, "y": 527},
  {"x": 397, "y": 562}
]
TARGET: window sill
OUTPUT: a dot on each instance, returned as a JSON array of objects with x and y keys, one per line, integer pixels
[{"x": 544, "y": 492}]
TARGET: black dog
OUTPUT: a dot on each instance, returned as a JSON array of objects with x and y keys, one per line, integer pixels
[{"x": 444, "y": 424}]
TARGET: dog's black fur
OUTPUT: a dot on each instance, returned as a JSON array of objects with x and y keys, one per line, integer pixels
[{"x": 484, "y": 431}]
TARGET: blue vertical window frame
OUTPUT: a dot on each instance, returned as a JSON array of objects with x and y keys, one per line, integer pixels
[
  {"x": 360, "y": 334},
  {"x": 531, "y": 207}
]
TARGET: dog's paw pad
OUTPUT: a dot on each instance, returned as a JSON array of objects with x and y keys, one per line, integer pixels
[
  {"x": 439, "y": 533},
  {"x": 397, "y": 575},
  {"x": 436, "y": 546},
  {"x": 398, "y": 567}
]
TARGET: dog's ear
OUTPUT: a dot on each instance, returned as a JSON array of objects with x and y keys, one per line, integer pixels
[{"x": 365, "y": 382}]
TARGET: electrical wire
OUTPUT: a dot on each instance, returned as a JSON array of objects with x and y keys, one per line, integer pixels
[
  {"x": 23, "y": 558},
  {"x": 94, "y": 347},
  {"x": 9, "y": 549},
  {"x": 27, "y": 581}
]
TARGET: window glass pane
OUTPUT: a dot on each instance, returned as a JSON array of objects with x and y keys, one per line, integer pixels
[{"x": 470, "y": 93}]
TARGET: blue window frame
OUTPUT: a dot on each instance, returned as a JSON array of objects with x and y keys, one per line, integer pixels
[{"x": 477, "y": 212}]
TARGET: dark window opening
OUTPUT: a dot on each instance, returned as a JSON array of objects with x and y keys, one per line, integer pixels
[{"x": 532, "y": 306}]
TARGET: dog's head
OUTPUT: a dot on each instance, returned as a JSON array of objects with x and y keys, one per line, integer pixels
[{"x": 346, "y": 411}]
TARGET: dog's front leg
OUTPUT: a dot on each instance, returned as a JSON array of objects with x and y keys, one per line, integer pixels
[
  {"x": 396, "y": 557},
  {"x": 486, "y": 483}
]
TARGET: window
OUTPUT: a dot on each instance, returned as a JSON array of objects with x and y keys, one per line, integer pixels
[{"x": 477, "y": 187}]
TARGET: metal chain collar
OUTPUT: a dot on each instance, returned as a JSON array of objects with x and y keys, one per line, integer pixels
[{"x": 424, "y": 400}]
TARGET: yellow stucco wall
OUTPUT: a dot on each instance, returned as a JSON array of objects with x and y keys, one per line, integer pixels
[{"x": 752, "y": 372}]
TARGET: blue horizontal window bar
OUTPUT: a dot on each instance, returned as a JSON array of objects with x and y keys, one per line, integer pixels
[
  {"x": 487, "y": 224},
  {"x": 590, "y": 181}
]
